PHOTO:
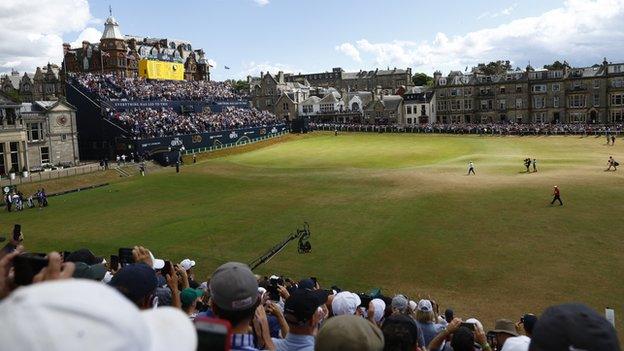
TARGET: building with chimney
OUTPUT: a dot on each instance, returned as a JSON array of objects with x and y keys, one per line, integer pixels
[
  {"x": 120, "y": 54},
  {"x": 44, "y": 84}
]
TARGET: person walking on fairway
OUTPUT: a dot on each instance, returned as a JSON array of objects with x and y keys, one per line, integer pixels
[
  {"x": 471, "y": 168},
  {"x": 612, "y": 163},
  {"x": 556, "y": 196},
  {"x": 612, "y": 140},
  {"x": 534, "y": 165}
]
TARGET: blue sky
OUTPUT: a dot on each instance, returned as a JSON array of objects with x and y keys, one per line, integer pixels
[{"x": 308, "y": 36}]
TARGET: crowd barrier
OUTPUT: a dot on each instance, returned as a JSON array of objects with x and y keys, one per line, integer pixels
[
  {"x": 52, "y": 174},
  {"x": 452, "y": 130}
]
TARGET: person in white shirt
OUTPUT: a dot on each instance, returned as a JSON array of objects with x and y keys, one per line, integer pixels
[{"x": 471, "y": 168}]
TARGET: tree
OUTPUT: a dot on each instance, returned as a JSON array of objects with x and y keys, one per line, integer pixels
[
  {"x": 422, "y": 79},
  {"x": 492, "y": 68},
  {"x": 241, "y": 86},
  {"x": 556, "y": 65}
]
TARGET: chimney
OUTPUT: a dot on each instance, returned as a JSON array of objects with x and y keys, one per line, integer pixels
[
  {"x": 261, "y": 74},
  {"x": 280, "y": 76}
]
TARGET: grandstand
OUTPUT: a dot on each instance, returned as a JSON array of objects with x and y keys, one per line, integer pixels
[{"x": 140, "y": 116}]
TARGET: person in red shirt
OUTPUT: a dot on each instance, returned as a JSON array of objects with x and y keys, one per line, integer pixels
[{"x": 556, "y": 196}]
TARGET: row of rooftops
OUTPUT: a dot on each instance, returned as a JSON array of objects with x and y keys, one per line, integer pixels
[
  {"x": 15, "y": 77},
  {"x": 458, "y": 78}
]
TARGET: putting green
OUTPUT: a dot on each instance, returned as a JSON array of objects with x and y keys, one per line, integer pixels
[{"x": 395, "y": 211}]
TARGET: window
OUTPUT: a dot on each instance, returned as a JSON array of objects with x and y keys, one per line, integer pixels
[
  {"x": 556, "y": 87},
  {"x": 518, "y": 103},
  {"x": 596, "y": 99},
  {"x": 539, "y": 117},
  {"x": 596, "y": 84},
  {"x": 423, "y": 110},
  {"x": 35, "y": 131},
  {"x": 285, "y": 106},
  {"x": 409, "y": 120},
  {"x": 455, "y": 105},
  {"x": 617, "y": 82},
  {"x": 308, "y": 108},
  {"x": 539, "y": 88},
  {"x": 617, "y": 99},
  {"x": 577, "y": 117},
  {"x": 14, "y": 156},
  {"x": 3, "y": 169},
  {"x": 502, "y": 89},
  {"x": 539, "y": 102},
  {"x": 502, "y": 104},
  {"x": 616, "y": 116},
  {"x": 577, "y": 101},
  {"x": 441, "y": 105},
  {"x": 409, "y": 110},
  {"x": 455, "y": 92},
  {"x": 467, "y": 104},
  {"x": 45, "y": 154},
  {"x": 467, "y": 91},
  {"x": 518, "y": 88},
  {"x": 556, "y": 101}
]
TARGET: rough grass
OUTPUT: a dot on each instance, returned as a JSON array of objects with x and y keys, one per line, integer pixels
[{"x": 394, "y": 211}]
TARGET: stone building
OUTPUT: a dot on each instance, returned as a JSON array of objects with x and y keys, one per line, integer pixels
[
  {"x": 384, "y": 109},
  {"x": 119, "y": 54},
  {"x": 44, "y": 84},
  {"x": 13, "y": 156},
  {"x": 568, "y": 95},
  {"x": 51, "y": 133},
  {"x": 420, "y": 108},
  {"x": 266, "y": 91},
  {"x": 390, "y": 79}
]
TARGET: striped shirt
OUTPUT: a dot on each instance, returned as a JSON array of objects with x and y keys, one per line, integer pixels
[{"x": 243, "y": 342}]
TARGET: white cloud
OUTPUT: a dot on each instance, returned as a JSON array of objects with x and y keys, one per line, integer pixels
[
  {"x": 261, "y": 2},
  {"x": 89, "y": 34},
  {"x": 32, "y": 31},
  {"x": 504, "y": 12},
  {"x": 349, "y": 50},
  {"x": 580, "y": 31}
]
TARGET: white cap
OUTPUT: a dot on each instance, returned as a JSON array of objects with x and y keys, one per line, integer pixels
[
  {"x": 187, "y": 264},
  {"x": 413, "y": 305},
  {"x": 425, "y": 306},
  {"x": 345, "y": 303},
  {"x": 79, "y": 314},
  {"x": 517, "y": 343},
  {"x": 380, "y": 309},
  {"x": 157, "y": 263}
]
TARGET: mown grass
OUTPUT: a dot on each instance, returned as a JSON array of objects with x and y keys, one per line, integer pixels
[{"x": 390, "y": 211}]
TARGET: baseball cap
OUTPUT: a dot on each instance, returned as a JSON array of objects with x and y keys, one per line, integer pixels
[
  {"x": 380, "y": 309},
  {"x": 93, "y": 272},
  {"x": 84, "y": 255},
  {"x": 345, "y": 302},
  {"x": 233, "y": 287},
  {"x": 79, "y": 314},
  {"x": 302, "y": 304},
  {"x": 187, "y": 264},
  {"x": 573, "y": 326},
  {"x": 157, "y": 263},
  {"x": 400, "y": 302},
  {"x": 425, "y": 306},
  {"x": 505, "y": 326},
  {"x": 188, "y": 295},
  {"x": 346, "y": 333},
  {"x": 135, "y": 281},
  {"x": 306, "y": 284}
]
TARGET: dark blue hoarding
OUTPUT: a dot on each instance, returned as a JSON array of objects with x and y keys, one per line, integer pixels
[
  {"x": 206, "y": 140},
  {"x": 189, "y": 105}
]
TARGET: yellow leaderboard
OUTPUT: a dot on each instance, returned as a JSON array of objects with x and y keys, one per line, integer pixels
[{"x": 152, "y": 69}]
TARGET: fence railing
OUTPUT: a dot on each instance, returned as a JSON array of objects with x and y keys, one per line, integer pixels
[
  {"x": 231, "y": 145},
  {"x": 52, "y": 174}
]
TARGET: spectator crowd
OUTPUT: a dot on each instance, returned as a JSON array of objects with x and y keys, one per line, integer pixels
[
  {"x": 115, "y": 88},
  {"x": 482, "y": 129},
  {"x": 135, "y": 301},
  {"x": 160, "y": 122}
]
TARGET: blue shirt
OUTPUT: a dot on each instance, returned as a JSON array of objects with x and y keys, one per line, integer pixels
[
  {"x": 243, "y": 342},
  {"x": 295, "y": 342}
]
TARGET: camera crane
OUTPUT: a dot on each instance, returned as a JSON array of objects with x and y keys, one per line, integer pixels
[{"x": 304, "y": 246}]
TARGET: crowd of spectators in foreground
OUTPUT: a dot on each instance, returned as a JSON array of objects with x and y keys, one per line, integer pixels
[
  {"x": 117, "y": 88},
  {"x": 160, "y": 122},
  {"x": 79, "y": 301},
  {"x": 482, "y": 129}
]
